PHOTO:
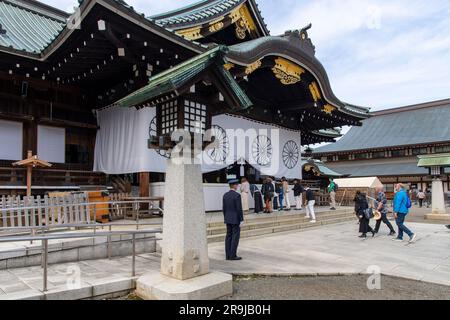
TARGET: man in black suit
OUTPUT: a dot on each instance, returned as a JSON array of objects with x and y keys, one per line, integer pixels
[{"x": 234, "y": 216}]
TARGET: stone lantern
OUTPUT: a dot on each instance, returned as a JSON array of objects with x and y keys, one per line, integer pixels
[
  {"x": 185, "y": 98},
  {"x": 436, "y": 164}
]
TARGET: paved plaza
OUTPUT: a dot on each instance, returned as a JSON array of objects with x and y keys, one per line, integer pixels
[{"x": 329, "y": 250}]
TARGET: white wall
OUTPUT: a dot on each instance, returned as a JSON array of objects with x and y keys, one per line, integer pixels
[
  {"x": 11, "y": 140},
  {"x": 52, "y": 144}
]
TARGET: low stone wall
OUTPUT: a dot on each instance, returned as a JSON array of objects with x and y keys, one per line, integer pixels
[{"x": 75, "y": 250}]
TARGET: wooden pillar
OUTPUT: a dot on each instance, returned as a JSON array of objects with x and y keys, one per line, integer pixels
[
  {"x": 29, "y": 179},
  {"x": 29, "y": 174},
  {"x": 144, "y": 184}
]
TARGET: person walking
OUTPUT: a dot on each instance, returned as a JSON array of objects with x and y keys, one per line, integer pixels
[
  {"x": 275, "y": 202},
  {"x": 280, "y": 192},
  {"x": 268, "y": 192},
  {"x": 257, "y": 197},
  {"x": 233, "y": 217},
  {"x": 245, "y": 193},
  {"x": 421, "y": 196},
  {"x": 402, "y": 204},
  {"x": 361, "y": 205},
  {"x": 332, "y": 188},
  {"x": 428, "y": 197},
  {"x": 287, "y": 193},
  {"x": 298, "y": 195},
  {"x": 381, "y": 205},
  {"x": 311, "y": 199}
]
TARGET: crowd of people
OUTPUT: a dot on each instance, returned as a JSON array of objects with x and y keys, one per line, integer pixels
[
  {"x": 379, "y": 211},
  {"x": 274, "y": 196}
]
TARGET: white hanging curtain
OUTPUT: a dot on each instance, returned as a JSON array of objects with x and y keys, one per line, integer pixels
[{"x": 122, "y": 144}]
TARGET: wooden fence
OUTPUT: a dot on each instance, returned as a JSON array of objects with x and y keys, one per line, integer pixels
[{"x": 40, "y": 211}]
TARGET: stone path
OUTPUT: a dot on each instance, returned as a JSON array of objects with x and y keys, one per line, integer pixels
[
  {"x": 337, "y": 250},
  {"x": 329, "y": 250}
]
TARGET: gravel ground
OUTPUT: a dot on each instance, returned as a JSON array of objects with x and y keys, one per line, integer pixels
[{"x": 335, "y": 288}]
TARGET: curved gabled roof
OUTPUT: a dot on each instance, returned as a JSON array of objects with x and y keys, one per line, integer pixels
[
  {"x": 203, "y": 12},
  {"x": 414, "y": 125},
  {"x": 28, "y": 26},
  {"x": 298, "y": 48},
  {"x": 37, "y": 34}
]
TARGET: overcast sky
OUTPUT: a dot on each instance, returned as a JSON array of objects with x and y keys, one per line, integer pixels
[{"x": 377, "y": 53}]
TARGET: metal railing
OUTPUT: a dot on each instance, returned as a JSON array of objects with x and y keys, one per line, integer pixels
[{"x": 109, "y": 234}]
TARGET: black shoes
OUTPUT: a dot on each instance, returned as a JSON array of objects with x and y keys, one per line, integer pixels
[
  {"x": 333, "y": 209},
  {"x": 373, "y": 234},
  {"x": 392, "y": 233},
  {"x": 235, "y": 259},
  {"x": 363, "y": 236},
  {"x": 448, "y": 227}
]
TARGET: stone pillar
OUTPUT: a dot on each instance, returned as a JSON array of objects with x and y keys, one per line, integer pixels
[
  {"x": 438, "y": 199},
  {"x": 184, "y": 245}
]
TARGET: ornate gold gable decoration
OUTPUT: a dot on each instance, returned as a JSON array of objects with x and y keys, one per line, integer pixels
[
  {"x": 244, "y": 22},
  {"x": 315, "y": 92},
  {"x": 228, "y": 66},
  {"x": 253, "y": 67},
  {"x": 288, "y": 72},
  {"x": 216, "y": 25},
  {"x": 191, "y": 33},
  {"x": 329, "y": 109}
]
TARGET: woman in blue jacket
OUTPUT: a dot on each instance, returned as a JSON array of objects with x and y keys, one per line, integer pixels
[{"x": 401, "y": 210}]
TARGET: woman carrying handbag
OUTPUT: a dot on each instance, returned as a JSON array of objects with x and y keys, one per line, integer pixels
[{"x": 364, "y": 215}]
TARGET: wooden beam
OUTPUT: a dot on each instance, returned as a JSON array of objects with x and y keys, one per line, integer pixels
[{"x": 144, "y": 184}]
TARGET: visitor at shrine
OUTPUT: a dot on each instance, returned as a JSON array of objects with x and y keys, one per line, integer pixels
[
  {"x": 381, "y": 205},
  {"x": 402, "y": 204},
  {"x": 268, "y": 192},
  {"x": 421, "y": 196},
  {"x": 311, "y": 202},
  {"x": 332, "y": 189},
  {"x": 281, "y": 197},
  {"x": 287, "y": 192},
  {"x": 258, "y": 198},
  {"x": 428, "y": 197},
  {"x": 298, "y": 195},
  {"x": 361, "y": 205},
  {"x": 275, "y": 200},
  {"x": 245, "y": 193},
  {"x": 234, "y": 217}
]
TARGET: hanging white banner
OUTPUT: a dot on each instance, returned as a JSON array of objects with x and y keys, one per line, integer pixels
[{"x": 122, "y": 145}]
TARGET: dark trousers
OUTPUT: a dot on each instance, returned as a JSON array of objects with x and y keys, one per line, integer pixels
[
  {"x": 364, "y": 226},
  {"x": 401, "y": 226},
  {"x": 386, "y": 221},
  {"x": 232, "y": 240}
]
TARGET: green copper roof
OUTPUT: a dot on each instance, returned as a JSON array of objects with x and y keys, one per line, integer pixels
[
  {"x": 171, "y": 80},
  {"x": 26, "y": 29},
  {"x": 435, "y": 160}
]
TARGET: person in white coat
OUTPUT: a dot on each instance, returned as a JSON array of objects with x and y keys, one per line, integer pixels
[{"x": 245, "y": 194}]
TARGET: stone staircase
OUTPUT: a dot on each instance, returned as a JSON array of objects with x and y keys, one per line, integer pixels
[{"x": 265, "y": 224}]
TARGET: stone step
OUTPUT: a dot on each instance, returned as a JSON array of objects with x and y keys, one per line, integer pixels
[
  {"x": 283, "y": 217},
  {"x": 252, "y": 225},
  {"x": 282, "y": 228}
]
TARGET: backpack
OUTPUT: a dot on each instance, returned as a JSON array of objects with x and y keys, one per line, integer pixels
[
  {"x": 408, "y": 202},
  {"x": 336, "y": 187}
]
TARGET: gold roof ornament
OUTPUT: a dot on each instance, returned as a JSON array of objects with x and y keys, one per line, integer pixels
[
  {"x": 287, "y": 72},
  {"x": 191, "y": 33},
  {"x": 228, "y": 66},
  {"x": 253, "y": 67},
  {"x": 315, "y": 92},
  {"x": 329, "y": 109}
]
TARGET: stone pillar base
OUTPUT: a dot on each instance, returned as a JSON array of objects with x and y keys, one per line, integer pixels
[
  {"x": 155, "y": 286},
  {"x": 438, "y": 216}
]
